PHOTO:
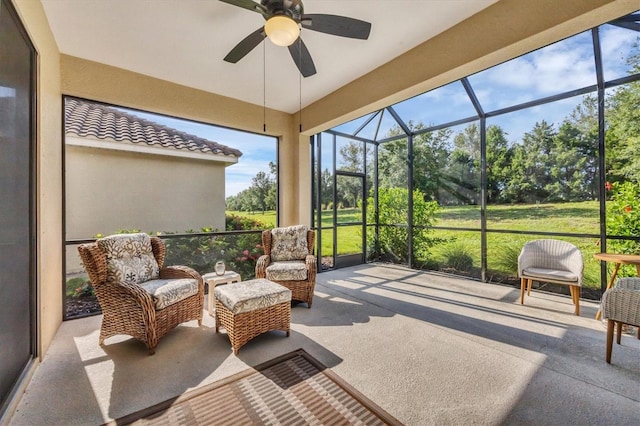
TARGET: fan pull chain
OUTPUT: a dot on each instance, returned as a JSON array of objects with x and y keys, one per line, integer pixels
[
  {"x": 300, "y": 85},
  {"x": 264, "y": 87}
]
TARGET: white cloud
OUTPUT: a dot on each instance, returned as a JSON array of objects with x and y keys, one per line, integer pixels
[
  {"x": 238, "y": 176},
  {"x": 616, "y": 44},
  {"x": 566, "y": 65}
]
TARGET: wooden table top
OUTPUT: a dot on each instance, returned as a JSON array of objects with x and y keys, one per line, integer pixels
[{"x": 625, "y": 259}]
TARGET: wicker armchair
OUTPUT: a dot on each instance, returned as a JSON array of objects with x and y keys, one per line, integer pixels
[
  {"x": 621, "y": 305},
  {"x": 138, "y": 296},
  {"x": 288, "y": 260},
  {"x": 551, "y": 261}
]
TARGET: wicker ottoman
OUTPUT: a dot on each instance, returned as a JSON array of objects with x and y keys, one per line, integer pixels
[{"x": 249, "y": 308}]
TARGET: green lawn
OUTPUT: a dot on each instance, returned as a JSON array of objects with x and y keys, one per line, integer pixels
[
  {"x": 502, "y": 248},
  {"x": 578, "y": 218}
]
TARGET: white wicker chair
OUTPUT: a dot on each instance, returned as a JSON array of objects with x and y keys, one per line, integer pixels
[
  {"x": 551, "y": 261},
  {"x": 621, "y": 305}
]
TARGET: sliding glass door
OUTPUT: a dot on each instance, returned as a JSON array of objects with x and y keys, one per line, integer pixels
[{"x": 17, "y": 277}]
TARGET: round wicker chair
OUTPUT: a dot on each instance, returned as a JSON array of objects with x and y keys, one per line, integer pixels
[
  {"x": 621, "y": 305},
  {"x": 551, "y": 261}
]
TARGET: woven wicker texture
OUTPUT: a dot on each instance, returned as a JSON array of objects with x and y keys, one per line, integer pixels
[
  {"x": 300, "y": 290},
  {"x": 129, "y": 309},
  {"x": 551, "y": 261},
  {"x": 621, "y": 305},
  {"x": 245, "y": 326}
]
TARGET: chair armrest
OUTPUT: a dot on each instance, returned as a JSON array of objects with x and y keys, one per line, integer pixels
[
  {"x": 628, "y": 283},
  {"x": 575, "y": 264},
  {"x": 312, "y": 265},
  {"x": 261, "y": 266},
  {"x": 525, "y": 260},
  {"x": 95, "y": 263},
  {"x": 119, "y": 295},
  {"x": 181, "y": 271},
  {"x": 623, "y": 305}
]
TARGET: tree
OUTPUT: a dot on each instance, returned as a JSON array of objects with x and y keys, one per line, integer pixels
[
  {"x": 498, "y": 160},
  {"x": 570, "y": 177},
  {"x": 463, "y": 172},
  {"x": 326, "y": 188},
  {"x": 430, "y": 157},
  {"x": 260, "y": 196},
  {"x": 585, "y": 140},
  {"x": 623, "y": 132},
  {"x": 530, "y": 174},
  {"x": 261, "y": 186},
  {"x": 393, "y": 240},
  {"x": 392, "y": 164}
]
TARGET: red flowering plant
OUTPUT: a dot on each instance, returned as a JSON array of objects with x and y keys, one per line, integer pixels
[
  {"x": 243, "y": 250},
  {"x": 244, "y": 254},
  {"x": 623, "y": 219}
]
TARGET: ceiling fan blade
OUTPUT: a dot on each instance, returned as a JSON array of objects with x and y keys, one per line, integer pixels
[
  {"x": 337, "y": 25},
  {"x": 247, "y": 4},
  {"x": 302, "y": 58},
  {"x": 245, "y": 46}
]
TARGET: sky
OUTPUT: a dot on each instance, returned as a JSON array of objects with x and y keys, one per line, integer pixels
[
  {"x": 563, "y": 66},
  {"x": 560, "y": 67}
]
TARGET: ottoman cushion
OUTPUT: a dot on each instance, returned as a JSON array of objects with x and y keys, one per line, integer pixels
[{"x": 247, "y": 296}]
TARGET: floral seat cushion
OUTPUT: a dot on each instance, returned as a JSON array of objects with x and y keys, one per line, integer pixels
[
  {"x": 287, "y": 270},
  {"x": 167, "y": 292},
  {"x": 129, "y": 258},
  {"x": 248, "y": 296},
  {"x": 289, "y": 243}
]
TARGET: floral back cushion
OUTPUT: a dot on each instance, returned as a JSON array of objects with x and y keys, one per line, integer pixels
[
  {"x": 289, "y": 243},
  {"x": 129, "y": 258}
]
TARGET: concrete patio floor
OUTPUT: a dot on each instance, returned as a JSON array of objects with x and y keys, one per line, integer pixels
[{"x": 428, "y": 348}]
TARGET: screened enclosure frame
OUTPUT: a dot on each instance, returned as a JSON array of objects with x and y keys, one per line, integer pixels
[{"x": 374, "y": 121}]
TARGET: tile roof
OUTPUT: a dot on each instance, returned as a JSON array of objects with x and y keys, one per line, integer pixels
[{"x": 88, "y": 119}]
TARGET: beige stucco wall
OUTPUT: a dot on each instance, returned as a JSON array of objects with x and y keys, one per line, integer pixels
[
  {"x": 503, "y": 31},
  {"x": 162, "y": 193}
]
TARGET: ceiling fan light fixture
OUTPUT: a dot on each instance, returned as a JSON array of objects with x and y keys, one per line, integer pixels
[{"x": 282, "y": 30}]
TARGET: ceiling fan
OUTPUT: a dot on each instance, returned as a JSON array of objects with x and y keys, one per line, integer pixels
[{"x": 283, "y": 20}]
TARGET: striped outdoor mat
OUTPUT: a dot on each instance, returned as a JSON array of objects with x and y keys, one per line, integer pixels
[{"x": 290, "y": 390}]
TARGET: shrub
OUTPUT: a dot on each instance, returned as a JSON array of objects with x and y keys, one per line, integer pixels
[
  {"x": 393, "y": 210},
  {"x": 239, "y": 252},
  {"x": 458, "y": 257},
  {"x": 198, "y": 252},
  {"x": 78, "y": 287},
  {"x": 242, "y": 223},
  {"x": 623, "y": 219},
  {"x": 506, "y": 259}
]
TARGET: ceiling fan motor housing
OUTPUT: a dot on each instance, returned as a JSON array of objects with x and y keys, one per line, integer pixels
[{"x": 291, "y": 8}]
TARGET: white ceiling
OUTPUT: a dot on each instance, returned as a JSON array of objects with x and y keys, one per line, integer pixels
[{"x": 185, "y": 41}]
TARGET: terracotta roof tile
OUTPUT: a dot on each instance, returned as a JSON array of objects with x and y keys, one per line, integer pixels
[{"x": 88, "y": 119}]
